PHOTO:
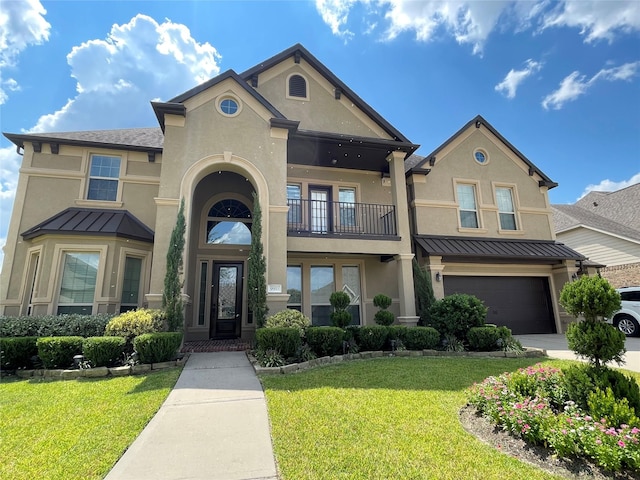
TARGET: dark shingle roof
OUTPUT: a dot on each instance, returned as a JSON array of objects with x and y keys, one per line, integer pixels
[
  {"x": 617, "y": 213},
  {"x": 93, "y": 221},
  {"x": 144, "y": 139},
  {"x": 495, "y": 248}
]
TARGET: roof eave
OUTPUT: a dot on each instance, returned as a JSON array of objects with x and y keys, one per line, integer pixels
[{"x": 20, "y": 139}]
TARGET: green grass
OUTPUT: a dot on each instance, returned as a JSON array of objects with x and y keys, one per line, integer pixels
[
  {"x": 74, "y": 429},
  {"x": 386, "y": 418}
]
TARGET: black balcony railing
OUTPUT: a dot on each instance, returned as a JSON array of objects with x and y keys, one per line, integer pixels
[{"x": 315, "y": 217}]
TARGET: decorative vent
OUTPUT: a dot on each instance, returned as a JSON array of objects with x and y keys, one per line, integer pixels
[{"x": 297, "y": 86}]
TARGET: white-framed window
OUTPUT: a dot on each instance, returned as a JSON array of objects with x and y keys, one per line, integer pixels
[
  {"x": 78, "y": 283},
  {"x": 104, "y": 175},
  {"x": 228, "y": 223},
  {"x": 322, "y": 283},
  {"x": 294, "y": 287},
  {"x": 506, "y": 209},
  {"x": 294, "y": 196},
  {"x": 297, "y": 87},
  {"x": 229, "y": 105},
  {"x": 467, "y": 205},
  {"x": 347, "y": 207}
]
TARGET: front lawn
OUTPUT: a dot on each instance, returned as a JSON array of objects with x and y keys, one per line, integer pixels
[
  {"x": 75, "y": 429},
  {"x": 386, "y": 418}
]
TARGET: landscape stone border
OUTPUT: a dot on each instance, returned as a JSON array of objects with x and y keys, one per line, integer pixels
[
  {"x": 100, "y": 372},
  {"x": 529, "y": 352}
]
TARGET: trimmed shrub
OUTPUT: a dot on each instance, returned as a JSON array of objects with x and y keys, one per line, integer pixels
[
  {"x": 103, "y": 351},
  {"x": 604, "y": 404},
  {"x": 16, "y": 352},
  {"x": 581, "y": 381},
  {"x": 383, "y": 316},
  {"x": 58, "y": 352},
  {"x": 135, "y": 322},
  {"x": 54, "y": 325},
  {"x": 352, "y": 333},
  {"x": 488, "y": 338},
  {"x": 591, "y": 297},
  {"x": 397, "y": 332},
  {"x": 456, "y": 314},
  {"x": 421, "y": 338},
  {"x": 288, "y": 318},
  {"x": 596, "y": 341},
  {"x": 157, "y": 347},
  {"x": 285, "y": 340},
  {"x": 340, "y": 317},
  {"x": 325, "y": 340},
  {"x": 373, "y": 337}
]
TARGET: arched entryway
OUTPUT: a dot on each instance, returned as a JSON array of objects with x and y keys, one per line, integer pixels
[{"x": 219, "y": 244}]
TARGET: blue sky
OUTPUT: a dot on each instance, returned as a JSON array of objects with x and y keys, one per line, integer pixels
[{"x": 560, "y": 80}]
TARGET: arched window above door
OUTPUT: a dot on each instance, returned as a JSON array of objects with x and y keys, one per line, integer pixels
[{"x": 229, "y": 223}]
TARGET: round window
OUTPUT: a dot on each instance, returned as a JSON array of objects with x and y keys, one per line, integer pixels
[
  {"x": 481, "y": 157},
  {"x": 229, "y": 106}
]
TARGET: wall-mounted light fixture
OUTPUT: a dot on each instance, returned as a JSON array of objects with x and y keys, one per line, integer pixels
[
  {"x": 432, "y": 161},
  {"x": 438, "y": 276},
  {"x": 574, "y": 276},
  {"x": 478, "y": 123}
]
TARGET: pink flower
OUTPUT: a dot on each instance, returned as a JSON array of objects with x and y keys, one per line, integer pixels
[{"x": 621, "y": 443}]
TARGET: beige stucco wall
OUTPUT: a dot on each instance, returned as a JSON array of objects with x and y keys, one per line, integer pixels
[
  {"x": 321, "y": 111},
  {"x": 436, "y": 205}
]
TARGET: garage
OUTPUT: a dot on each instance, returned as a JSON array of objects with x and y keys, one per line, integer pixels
[{"x": 522, "y": 304}]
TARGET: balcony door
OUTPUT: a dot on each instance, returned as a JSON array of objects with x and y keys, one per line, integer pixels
[{"x": 319, "y": 206}]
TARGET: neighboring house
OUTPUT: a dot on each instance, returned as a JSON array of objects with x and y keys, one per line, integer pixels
[
  {"x": 605, "y": 227},
  {"x": 94, "y": 210}
]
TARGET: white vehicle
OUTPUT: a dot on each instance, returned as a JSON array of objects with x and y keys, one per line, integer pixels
[{"x": 627, "y": 319}]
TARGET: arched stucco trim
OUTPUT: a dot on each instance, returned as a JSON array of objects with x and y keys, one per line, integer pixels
[{"x": 229, "y": 163}]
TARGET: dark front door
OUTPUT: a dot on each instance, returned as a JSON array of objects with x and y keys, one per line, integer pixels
[{"x": 226, "y": 300}]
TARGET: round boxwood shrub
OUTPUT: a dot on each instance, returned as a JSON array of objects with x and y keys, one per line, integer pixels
[
  {"x": 590, "y": 297},
  {"x": 340, "y": 317},
  {"x": 456, "y": 314},
  {"x": 103, "y": 351},
  {"x": 373, "y": 337},
  {"x": 488, "y": 338},
  {"x": 58, "y": 352},
  {"x": 383, "y": 316},
  {"x": 325, "y": 340},
  {"x": 135, "y": 322},
  {"x": 421, "y": 338},
  {"x": 289, "y": 318},
  {"x": 596, "y": 341},
  {"x": 285, "y": 340},
  {"x": 157, "y": 347}
]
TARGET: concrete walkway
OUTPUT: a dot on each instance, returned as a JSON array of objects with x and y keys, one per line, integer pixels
[
  {"x": 556, "y": 347},
  {"x": 213, "y": 425}
]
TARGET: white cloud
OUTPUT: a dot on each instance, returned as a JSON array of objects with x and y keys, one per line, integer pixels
[
  {"x": 514, "y": 78},
  {"x": 576, "y": 85},
  {"x": 596, "y": 19},
  {"x": 137, "y": 62},
  {"x": 22, "y": 24},
  {"x": 335, "y": 14},
  {"x": 116, "y": 79},
  {"x": 611, "y": 186},
  {"x": 472, "y": 22}
]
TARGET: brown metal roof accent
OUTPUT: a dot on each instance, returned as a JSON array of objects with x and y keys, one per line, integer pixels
[
  {"x": 496, "y": 248},
  {"x": 92, "y": 221}
]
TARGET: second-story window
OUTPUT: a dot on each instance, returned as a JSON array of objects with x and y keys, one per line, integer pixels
[
  {"x": 103, "y": 178},
  {"x": 506, "y": 211},
  {"x": 467, "y": 205},
  {"x": 294, "y": 201},
  {"x": 347, "y": 199},
  {"x": 229, "y": 223}
]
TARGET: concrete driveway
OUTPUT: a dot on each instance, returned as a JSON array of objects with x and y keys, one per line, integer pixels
[{"x": 556, "y": 347}]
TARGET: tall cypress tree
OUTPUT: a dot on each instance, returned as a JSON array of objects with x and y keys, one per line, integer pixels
[
  {"x": 172, "y": 295},
  {"x": 256, "y": 280},
  {"x": 423, "y": 292}
]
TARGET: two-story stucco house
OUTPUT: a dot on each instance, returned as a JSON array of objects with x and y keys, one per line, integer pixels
[{"x": 345, "y": 206}]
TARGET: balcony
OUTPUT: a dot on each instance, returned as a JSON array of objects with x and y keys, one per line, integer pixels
[{"x": 345, "y": 219}]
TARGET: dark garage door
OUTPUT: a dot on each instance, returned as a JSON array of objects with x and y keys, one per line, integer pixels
[{"x": 521, "y": 303}]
